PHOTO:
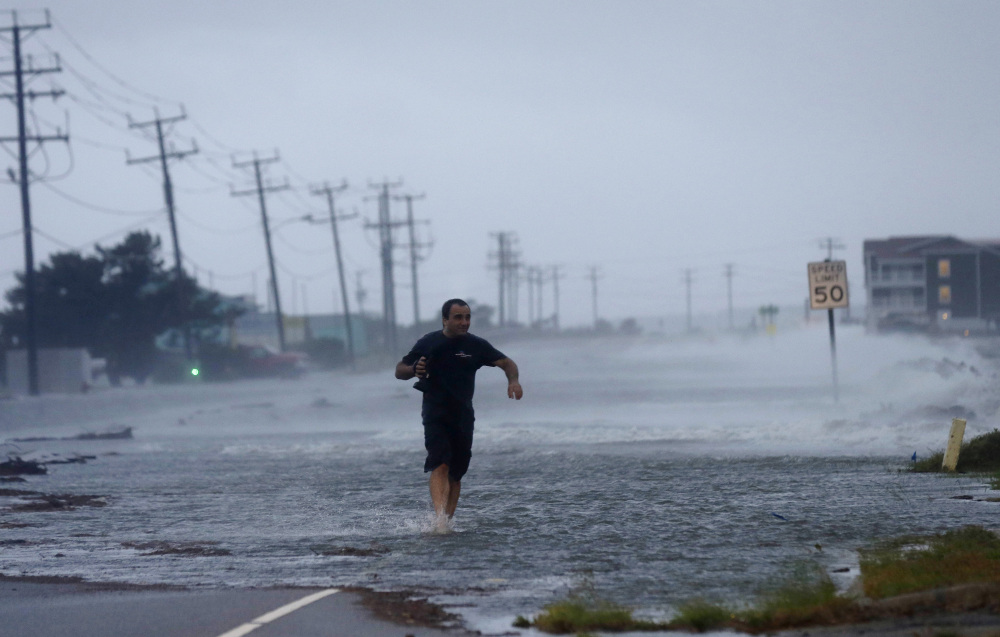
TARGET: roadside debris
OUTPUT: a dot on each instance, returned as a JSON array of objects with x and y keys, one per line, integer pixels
[
  {"x": 14, "y": 466},
  {"x": 350, "y": 551},
  {"x": 125, "y": 433},
  {"x": 39, "y": 502},
  {"x": 189, "y": 549}
]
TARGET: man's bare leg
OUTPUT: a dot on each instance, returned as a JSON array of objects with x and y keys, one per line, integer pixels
[
  {"x": 454, "y": 489},
  {"x": 441, "y": 496}
]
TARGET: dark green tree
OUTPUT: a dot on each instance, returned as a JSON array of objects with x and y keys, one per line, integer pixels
[{"x": 114, "y": 304}]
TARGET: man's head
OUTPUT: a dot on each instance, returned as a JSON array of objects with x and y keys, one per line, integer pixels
[{"x": 456, "y": 317}]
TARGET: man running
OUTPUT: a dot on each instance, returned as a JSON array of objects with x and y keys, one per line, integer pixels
[{"x": 446, "y": 362}]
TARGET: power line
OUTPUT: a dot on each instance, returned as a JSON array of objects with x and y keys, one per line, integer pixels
[
  {"x": 260, "y": 191},
  {"x": 415, "y": 258},
  {"x": 168, "y": 193},
  {"x": 687, "y": 281},
  {"x": 385, "y": 227},
  {"x": 329, "y": 191},
  {"x": 19, "y": 73},
  {"x": 114, "y": 77},
  {"x": 594, "y": 275},
  {"x": 729, "y": 292},
  {"x": 96, "y": 207},
  {"x": 505, "y": 257}
]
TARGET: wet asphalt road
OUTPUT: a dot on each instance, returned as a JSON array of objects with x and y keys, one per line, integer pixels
[{"x": 69, "y": 610}]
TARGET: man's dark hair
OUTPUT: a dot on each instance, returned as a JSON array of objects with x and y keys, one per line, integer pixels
[{"x": 446, "y": 308}]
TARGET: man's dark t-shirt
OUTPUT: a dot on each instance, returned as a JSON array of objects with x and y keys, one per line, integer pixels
[{"x": 451, "y": 366}]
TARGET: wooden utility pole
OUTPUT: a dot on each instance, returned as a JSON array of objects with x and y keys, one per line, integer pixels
[
  {"x": 329, "y": 191},
  {"x": 594, "y": 276},
  {"x": 687, "y": 281},
  {"x": 387, "y": 243},
  {"x": 168, "y": 194},
  {"x": 23, "y": 176},
  {"x": 556, "y": 275},
  {"x": 415, "y": 258},
  {"x": 260, "y": 190},
  {"x": 729, "y": 293},
  {"x": 506, "y": 258}
]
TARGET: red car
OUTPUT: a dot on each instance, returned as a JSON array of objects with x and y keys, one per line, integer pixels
[{"x": 260, "y": 361}]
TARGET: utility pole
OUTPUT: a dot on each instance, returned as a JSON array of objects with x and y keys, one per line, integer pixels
[
  {"x": 830, "y": 244},
  {"x": 414, "y": 258},
  {"x": 168, "y": 194},
  {"x": 513, "y": 287},
  {"x": 360, "y": 293},
  {"x": 506, "y": 258},
  {"x": 386, "y": 245},
  {"x": 594, "y": 276},
  {"x": 329, "y": 191},
  {"x": 556, "y": 275},
  {"x": 529, "y": 275},
  {"x": 22, "y": 139},
  {"x": 687, "y": 281},
  {"x": 729, "y": 293},
  {"x": 260, "y": 190},
  {"x": 540, "y": 282}
]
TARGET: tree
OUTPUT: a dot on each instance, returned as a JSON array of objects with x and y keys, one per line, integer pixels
[{"x": 114, "y": 304}]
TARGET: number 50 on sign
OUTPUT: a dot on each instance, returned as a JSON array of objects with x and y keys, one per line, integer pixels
[{"x": 828, "y": 285}]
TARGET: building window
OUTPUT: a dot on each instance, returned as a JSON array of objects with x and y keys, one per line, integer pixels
[
  {"x": 944, "y": 294},
  {"x": 944, "y": 268}
]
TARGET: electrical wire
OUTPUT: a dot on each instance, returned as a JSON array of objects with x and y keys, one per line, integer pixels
[
  {"x": 95, "y": 207},
  {"x": 87, "y": 107},
  {"x": 120, "y": 231},
  {"x": 60, "y": 242},
  {"x": 283, "y": 196},
  {"x": 305, "y": 277},
  {"x": 222, "y": 231},
  {"x": 297, "y": 249},
  {"x": 225, "y": 147},
  {"x": 229, "y": 176},
  {"x": 226, "y": 277},
  {"x": 111, "y": 75}
]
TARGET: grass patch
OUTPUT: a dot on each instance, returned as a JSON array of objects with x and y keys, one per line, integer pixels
[
  {"x": 584, "y": 611},
  {"x": 979, "y": 455},
  {"x": 907, "y": 565},
  {"x": 576, "y": 616},
  {"x": 806, "y": 597},
  {"x": 701, "y": 616}
]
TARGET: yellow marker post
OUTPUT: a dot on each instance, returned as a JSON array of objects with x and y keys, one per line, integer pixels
[{"x": 954, "y": 444}]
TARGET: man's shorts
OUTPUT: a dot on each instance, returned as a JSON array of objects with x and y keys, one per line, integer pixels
[{"x": 448, "y": 438}]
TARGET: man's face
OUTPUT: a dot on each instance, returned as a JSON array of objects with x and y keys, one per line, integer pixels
[{"x": 458, "y": 321}]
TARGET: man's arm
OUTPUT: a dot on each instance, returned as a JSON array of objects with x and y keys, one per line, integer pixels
[
  {"x": 509, "y": 368},
  {"x": 406, "y": 372}
]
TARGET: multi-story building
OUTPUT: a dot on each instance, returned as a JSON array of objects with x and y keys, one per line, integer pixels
[{"x": 934, "y": 283}]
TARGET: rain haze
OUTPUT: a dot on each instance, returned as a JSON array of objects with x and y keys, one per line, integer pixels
[
  {"x": 623, "y": 147},
  {"x": 639, "y": 138}
]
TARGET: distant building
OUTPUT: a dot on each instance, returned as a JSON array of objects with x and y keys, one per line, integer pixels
[
  {"x": 932, "y": 283},
  {"x": 260, "y": 328}
]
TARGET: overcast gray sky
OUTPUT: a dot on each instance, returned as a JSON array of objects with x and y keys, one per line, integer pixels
[{"x": 640, "y": 137}]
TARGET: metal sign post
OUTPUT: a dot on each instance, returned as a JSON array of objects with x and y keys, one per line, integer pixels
[{"x": 828, "y": 290}]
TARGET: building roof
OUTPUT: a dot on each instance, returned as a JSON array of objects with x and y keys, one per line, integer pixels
[{"x": 919, "y": 246}]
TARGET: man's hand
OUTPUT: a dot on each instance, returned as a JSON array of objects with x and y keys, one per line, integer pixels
[
  {"x": 420, "y": 369},
  {"x": 514, "y": 390},
  {"x": 509, "y": 368}
]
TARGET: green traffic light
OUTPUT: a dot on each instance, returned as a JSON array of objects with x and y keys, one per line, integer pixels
[{"x": 195, "y": 371}]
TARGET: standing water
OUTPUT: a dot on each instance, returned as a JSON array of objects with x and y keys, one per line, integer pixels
[{"x": 656, "y": 471}]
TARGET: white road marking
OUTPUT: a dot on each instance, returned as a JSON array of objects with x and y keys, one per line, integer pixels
[{"x": 267, "y": 618}]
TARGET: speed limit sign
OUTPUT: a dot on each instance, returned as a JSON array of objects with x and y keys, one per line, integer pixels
[{"x": 828, "y": 285}]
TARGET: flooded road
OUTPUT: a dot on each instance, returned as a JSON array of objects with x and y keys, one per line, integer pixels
[{"x": 654, "y": 471}]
